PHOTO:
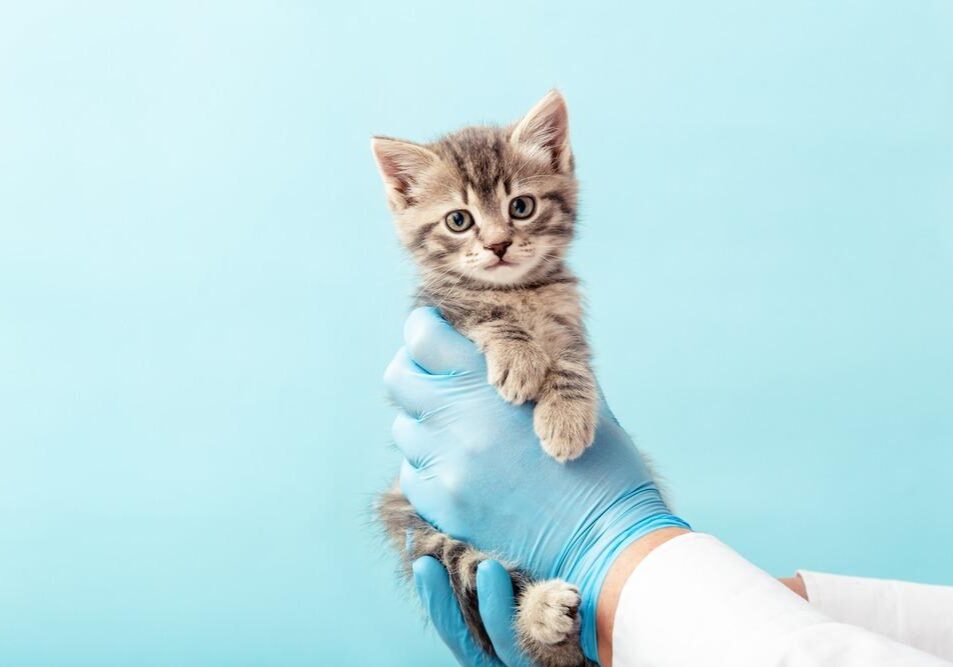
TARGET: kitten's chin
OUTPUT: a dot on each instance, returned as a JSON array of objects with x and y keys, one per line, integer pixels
[{"x": 504, "y": 274}]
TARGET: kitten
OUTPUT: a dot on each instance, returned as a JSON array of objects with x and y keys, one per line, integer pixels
[{"x": 488, "y": 214}]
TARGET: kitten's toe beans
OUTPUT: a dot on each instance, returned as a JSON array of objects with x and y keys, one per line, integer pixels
[
  {"x": 548, "y": 611},
  {"x": 565, "y": 427}
]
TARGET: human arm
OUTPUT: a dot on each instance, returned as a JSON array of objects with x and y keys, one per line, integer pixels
[
  {"x": 693, "y": 600},
  {"x": 474, "y": 469}
]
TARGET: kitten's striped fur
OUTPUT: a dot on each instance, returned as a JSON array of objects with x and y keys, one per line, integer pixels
[{"x": 503, "y": 283}]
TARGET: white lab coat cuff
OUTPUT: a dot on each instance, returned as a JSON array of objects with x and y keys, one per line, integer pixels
[{"x": 693, "y": 601}]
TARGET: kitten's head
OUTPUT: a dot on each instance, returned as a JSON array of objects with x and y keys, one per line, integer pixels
[{"x": 492, "y": 205}]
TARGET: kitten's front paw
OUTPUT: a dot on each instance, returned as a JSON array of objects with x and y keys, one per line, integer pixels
[
  {"x": 517, "y": 370},
  {"x": 565, "y": 426}
]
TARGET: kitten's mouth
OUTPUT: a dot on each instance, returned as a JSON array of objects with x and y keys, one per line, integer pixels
[{"x": 499, "y": 263}]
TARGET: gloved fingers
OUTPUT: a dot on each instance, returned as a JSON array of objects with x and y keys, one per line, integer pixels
[
  {"x": 413, "y": 485},
  {"x": 497, "y": 607},
  {"x": 410, "y": 387},
  {"x": 433, "y": 587},
  {"x": 420, "y": 491},
  {"x": 437, "y": 347},
  {"x": 407, "y": 479},
  {"x": 410, "y": 436}
]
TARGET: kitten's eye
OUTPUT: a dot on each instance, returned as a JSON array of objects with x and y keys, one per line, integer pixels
[
  {"x": 522, "y": 207},
  {"x": 459, "y": 221}
]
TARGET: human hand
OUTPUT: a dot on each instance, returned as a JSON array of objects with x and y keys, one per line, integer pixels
[{"x": 474, "y": 469}]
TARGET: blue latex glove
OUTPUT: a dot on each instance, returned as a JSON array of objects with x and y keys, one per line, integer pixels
[
  {"x": 495, "y": 597},
  {"x": 474, "y": 469}
]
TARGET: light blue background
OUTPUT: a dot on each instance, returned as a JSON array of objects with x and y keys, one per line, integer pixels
[{"x": 200, "y": 288}]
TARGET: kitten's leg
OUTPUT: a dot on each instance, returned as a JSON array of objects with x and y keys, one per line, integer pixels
[
  {"x": 547, "y": 614},
  {"x": 414, "y": 538},
  {"x": 516, "y": 362},
  {"x": 567, "y": 408}
]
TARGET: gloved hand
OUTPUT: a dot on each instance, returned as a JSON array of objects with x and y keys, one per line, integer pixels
[
  {"x": 495, "y": 597},
  {"x": 474, "y": 469}
]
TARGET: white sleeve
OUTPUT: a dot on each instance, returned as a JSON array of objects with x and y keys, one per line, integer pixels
[
  {"x": 693, "y": 601},
  {"x": 914, "y": 614}
]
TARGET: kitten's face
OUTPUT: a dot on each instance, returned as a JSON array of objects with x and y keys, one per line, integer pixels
[{"x": 490, "y": 205}]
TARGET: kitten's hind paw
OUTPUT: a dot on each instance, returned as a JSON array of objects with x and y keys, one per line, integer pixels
[
  {"x": 548, "y": 612},
  {"x": 547, "y": 624}
]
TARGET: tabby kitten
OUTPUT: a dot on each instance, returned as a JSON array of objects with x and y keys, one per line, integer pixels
[{"x": 488, "y": 214}]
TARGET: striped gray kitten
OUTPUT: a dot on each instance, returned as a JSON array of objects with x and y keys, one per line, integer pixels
[{"x": 488, "y": 214}]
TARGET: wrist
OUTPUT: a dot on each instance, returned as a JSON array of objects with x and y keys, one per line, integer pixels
[
  {"x": 795, "y": 584},
  {"x": 592, "y": 553},
  {"x": 614, "y": 580}
]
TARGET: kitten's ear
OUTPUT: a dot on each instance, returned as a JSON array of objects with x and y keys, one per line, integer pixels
[
  {"x": 400, "y": 164},
  {"x": 546, "y": 127}
]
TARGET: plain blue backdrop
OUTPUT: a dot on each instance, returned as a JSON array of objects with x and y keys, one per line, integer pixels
[{"x": 200, "y": 288}]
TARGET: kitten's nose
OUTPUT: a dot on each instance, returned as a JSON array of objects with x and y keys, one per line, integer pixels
[{"x": 499, "y": 249}]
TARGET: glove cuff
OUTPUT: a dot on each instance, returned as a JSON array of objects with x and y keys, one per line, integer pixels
[{"x": 589, "y": 555}]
